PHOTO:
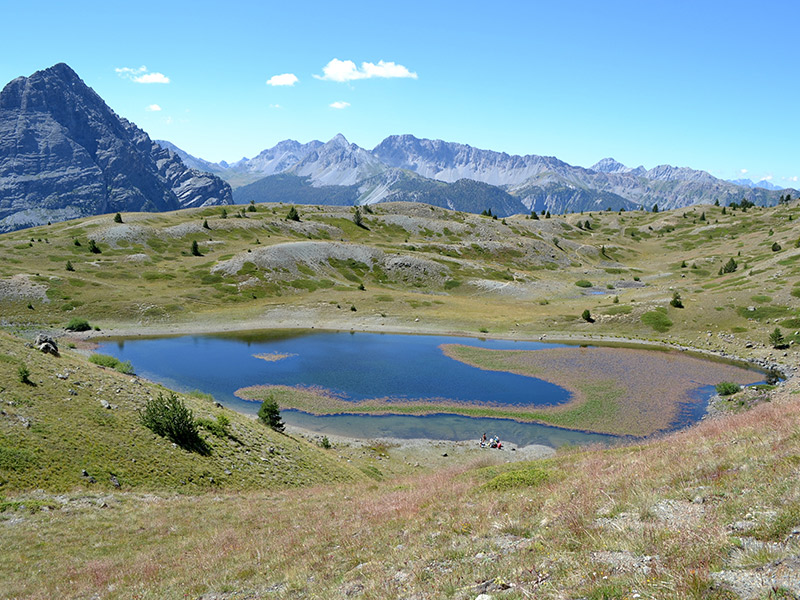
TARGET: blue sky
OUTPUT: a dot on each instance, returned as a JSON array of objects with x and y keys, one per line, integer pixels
[{"x": 711, "y": 85}]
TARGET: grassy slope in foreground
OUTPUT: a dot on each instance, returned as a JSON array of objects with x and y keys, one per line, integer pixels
[
  {"x": 615, "y": 390},
  {"x": 56, "y": 427},
  {"x": 676, "y": 518}
]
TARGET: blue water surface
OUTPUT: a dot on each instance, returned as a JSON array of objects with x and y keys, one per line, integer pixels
[{"x": 359, "y": 366}]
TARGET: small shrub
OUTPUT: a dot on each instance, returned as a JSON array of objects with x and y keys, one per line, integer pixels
[
  {"x": 69, "y": 266},
  {"x": 218, "y": 428},
  {"x": 223, "y": 214},
  {"x": 93, "y": 248},
  {"x": 169, "y": 417},
  {"x": 292, "y": 215},
  {"x": 270, "y": 414},
  {"x": 776, "y": 247},
  {"x": 77, "y": 324},
  {"x": 583, "y": 283},
  {"x": 726, "y": 388},
  {"x": 587, "y": 316},
  {"x": 676, "y": 301},
  {"x": 24, "y": 375},
  {"x": 325, "y": 443}
]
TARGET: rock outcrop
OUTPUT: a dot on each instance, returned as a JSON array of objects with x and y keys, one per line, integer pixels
[{"x": 65, "y": 154}]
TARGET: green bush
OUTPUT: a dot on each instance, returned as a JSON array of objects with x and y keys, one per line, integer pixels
[
  {"x": 270, "y": 414},
  {"x": 24, "y": 374},
  {"x": 169, "y": 417},
  {"x": 657, "y": 320},
  {"x": 583, "y": 283},
  {"x": 219, "y": 428},
  {"x": 77, "y": 324},
  {"x": 104, "y": 360},
  {"x": 726, "y": 388}
]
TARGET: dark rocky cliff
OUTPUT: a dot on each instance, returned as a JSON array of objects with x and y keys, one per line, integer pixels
[{"x": 65, "y": 154}]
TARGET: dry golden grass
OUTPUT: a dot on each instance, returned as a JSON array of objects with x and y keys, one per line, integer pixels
[{"x": 657, "y": 519}]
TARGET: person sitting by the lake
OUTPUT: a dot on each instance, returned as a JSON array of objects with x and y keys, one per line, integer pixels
[{"x": 483, "y": 440}]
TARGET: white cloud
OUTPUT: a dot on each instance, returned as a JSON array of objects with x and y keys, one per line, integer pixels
[
  {"x": 153, "y": 108},
  {"x": 284, "y": 79},
  {"x": 152, "y": 78},
  {"x": 141, "y": 75},
  {"x": 346, "y": 70},
  {"x": 743, "y": 171},
  {"x": 795, "y": 178},
  {"x": 339, "y": 105},
  {"x": 275, "y": 106},
  {"x": 767, "y": 178}
]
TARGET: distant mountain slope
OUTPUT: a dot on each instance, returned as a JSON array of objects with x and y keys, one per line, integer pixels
[
  {"x": 763, "y": 183},
  {"x": 64, "y": 154},
  {"x": 532, "y": 176}
]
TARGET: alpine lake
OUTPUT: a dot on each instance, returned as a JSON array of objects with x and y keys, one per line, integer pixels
[{"x": 373, "y": 385}]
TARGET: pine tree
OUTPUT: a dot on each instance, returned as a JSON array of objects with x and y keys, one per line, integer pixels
[
  {"x": 195, "y": 249},
  {"x": 776, "y": 338},
  {"x": 117, "y": 218},
  {"x": 270, "y": 414},
  {"x": 292, "y": 215}
]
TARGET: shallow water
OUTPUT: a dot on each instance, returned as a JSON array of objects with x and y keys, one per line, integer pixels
[{"x": 357, "y": 366}]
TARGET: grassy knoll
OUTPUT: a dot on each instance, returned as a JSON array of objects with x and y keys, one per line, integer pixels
[
  {"x": 687, "y": 516},
  {"x": 55, "y": 427}
]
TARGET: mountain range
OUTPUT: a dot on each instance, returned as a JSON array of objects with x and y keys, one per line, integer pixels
[
  {"x": 64, "y": 154},
  {"x": 403, "y": 167}
]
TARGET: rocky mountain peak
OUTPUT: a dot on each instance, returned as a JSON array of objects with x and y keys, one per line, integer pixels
[
  {"x": 64, "y": 154},
  {"x": 609, "y": 165}
]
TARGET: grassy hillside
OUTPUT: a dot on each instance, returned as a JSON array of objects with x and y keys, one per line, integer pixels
[
  {"x": 711, "y": 512},
  {"x": 55, "y": 427}
]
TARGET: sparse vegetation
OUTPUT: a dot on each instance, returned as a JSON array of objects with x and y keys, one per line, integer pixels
[{"x": 111, "y": 362}]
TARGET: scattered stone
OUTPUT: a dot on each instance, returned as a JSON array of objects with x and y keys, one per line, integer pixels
[
  {"x": 115, "y": 481},
  {"x": 445, "y": 454},
  {"x": 62, "y": 375},
  {"x": 105, "y": 404}
]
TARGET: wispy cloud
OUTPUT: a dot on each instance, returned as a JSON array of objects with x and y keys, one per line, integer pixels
[
  {"x": 153, "y": 108},
  {"x": 141, "y": 75},
  {"x": 793, "y": 179},
  {"x": 275, "y": 106},
  {"x": 285, "y": 79},
  {"x": 346, "y": 70},
  {"x": 767, "y": 178},
  {"x": 339, "y": 105},
  {"x": 742, "y": 171}
]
